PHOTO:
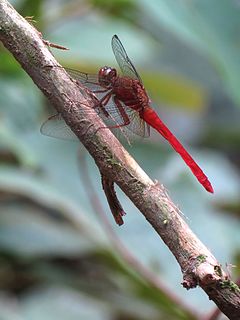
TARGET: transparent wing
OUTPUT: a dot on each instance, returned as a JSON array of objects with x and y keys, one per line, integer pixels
[
  {"x": 89, "y": 80},
  {"x": 138, "y": 126},
  {"x": 116, "y": 120},
  {"x": 56, "y": 127},
  {"x": 123, "y": 60}
]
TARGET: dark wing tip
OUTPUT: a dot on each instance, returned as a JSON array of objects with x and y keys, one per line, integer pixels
[{"x": 115, "y": 38}]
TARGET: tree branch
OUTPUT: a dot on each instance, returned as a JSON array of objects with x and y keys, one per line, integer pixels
[
  {"x": 118, "y": 246},
  {"x": 75, "y": 103}
]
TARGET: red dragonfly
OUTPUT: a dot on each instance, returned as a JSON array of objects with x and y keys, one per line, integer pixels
[{"x": 123, "y": 103}]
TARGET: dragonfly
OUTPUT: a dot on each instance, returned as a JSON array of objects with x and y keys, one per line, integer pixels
[{"x": 123, "y": 103}]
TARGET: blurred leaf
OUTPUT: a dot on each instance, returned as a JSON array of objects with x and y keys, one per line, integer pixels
[
  {"x": 236, "y": 270},
  {"x": 188, "y": 95},
  {"x": 31, "y": 222},
  {"x": 117, "y": 8},
  {"x": 230, "y": 207},
  {"x": 53, "y": 303},
  {"x": 9, "y": 308},
  {"x": 20, "y": 107},
  {"x": 209, "y": 26},
  {"x": 29, "y": 8},
  {"x": 9, "y": 65},
  {"x": 100, "y": 275},
  {"x": 224, "y": 137},
  {"x": 26, "y": 230},
  {"x": 144, "y": 295},
  {"x": 59, "y": 303},
  {"x": 15, "y": 145},
  {"x": 20, "y": 103}
]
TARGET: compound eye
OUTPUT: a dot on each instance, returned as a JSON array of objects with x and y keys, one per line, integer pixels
[
  {"x": 108, "y": 71},
  {"x": 107, "y": 76},
  {"x": 105, "y": 71}
]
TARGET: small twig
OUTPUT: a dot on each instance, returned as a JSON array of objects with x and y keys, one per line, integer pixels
[
  {"x": 54, "y": 45},
  {"x": 47, "y": 43},
  {"x": 114, "y": 204}
]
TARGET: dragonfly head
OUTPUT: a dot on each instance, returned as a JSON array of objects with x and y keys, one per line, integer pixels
[{"x": 107, "y": 76}]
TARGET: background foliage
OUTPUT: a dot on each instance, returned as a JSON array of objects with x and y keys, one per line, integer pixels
[{"x": 57, "y": 257}]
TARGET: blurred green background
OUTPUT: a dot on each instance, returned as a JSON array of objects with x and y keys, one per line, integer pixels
[{"x": 58, "y": 258}]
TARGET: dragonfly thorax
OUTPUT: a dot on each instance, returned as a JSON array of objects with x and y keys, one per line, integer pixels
[{"x": 107, "y": 76}]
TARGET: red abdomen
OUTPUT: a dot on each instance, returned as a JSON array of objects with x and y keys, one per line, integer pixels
[{"x": 151, "y": 117}]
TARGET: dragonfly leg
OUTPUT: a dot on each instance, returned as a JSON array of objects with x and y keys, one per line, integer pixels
[
  {"x": 100, "y": 91},
  {"x": 103, "y": 102},
  {"x": 101, "y": 105},
  {"x": 125, "y": 118}
]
